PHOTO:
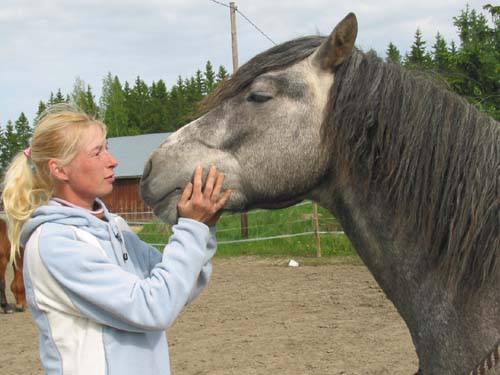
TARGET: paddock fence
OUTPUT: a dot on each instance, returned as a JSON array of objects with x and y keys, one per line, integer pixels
[{"x": 303, "y": 225}]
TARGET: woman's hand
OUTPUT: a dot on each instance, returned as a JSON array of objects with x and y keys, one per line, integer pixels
[{"x": 205, "y": 206}]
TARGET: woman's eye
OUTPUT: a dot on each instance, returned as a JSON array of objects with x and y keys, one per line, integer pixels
[{"x": 259, "y": 97}]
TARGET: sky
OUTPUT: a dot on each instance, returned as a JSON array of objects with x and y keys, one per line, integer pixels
[{"x": 47, "y": 44}]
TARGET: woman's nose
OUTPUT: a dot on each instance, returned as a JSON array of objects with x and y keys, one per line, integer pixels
[{"x": 112, "y": 161}]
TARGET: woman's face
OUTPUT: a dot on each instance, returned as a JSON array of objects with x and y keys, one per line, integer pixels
[{"x": 91, "y": 173}]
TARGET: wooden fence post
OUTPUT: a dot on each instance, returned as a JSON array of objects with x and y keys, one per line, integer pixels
[
  {"x": 316, "y": 229},
  {"x": 244, "y": 225}
]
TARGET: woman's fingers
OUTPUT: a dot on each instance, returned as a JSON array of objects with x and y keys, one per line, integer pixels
[
  {"x": 183, "y": 203},
  {"x": 198, "y": 171},
  {"x": 219, "y": 205},
  {"x": 209, "y": 183},
  {"x": 186, "y": 193},
  {"x": 222, "y": 201},
  {"x": 204, "y": 203},
  {"x": 218, "y": 186}
]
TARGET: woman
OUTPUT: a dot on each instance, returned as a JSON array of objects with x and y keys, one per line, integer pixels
[{"x": 101, "y": 297}]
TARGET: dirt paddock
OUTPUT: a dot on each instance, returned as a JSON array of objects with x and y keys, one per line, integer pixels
[{"x": 260, "y": 317}]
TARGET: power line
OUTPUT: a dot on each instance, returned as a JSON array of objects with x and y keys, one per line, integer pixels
[
  {"x": 218, "y": 2},
  {"x": 247, "y": 19},
  {"x": 254, "y": 25}
]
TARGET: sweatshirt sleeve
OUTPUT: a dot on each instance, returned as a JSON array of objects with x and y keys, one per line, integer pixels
[
  {"x": 153, "y": 257},
  {"x": 149, "y": 256},
  {"x": 109, "y": 295},
  {"x": 206, "y": 271}
]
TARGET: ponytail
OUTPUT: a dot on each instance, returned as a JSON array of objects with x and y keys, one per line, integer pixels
[
  {"x": 23, "y": 193},
  {"x": 28, "y": 183}
]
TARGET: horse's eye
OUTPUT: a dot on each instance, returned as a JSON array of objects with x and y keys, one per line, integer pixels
[{"x": 259, "y": 97}]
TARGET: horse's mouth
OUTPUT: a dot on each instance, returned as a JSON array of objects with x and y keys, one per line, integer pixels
[
  {"x": 165, "y": 203},
  {"x": 166, "y": 197},
  {"x": 165, "y": 207}
]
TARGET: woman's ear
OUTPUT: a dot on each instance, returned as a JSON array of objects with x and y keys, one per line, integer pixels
[{"x": 57, "y": 171}]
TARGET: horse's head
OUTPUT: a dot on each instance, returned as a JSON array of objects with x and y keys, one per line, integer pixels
[{"x": 263, "y": 129}]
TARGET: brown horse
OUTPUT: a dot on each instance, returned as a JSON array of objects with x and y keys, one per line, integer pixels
[
  {"x": 410, "y": 169},
  {"x": 17, "y": 285}
]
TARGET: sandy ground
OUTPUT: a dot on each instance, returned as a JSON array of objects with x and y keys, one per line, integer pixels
[{"x": 260, "y": 317}]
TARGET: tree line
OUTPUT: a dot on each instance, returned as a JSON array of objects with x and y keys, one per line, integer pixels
[
  {"x": 471, "y": 68},
  {"x": 138, "y": 108},
  {"x": 126, "y": 109}
]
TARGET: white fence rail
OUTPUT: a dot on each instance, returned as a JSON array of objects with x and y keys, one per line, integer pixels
[
  {"x": 266, "y": 238},
  {"x": 310, "y": 220}
]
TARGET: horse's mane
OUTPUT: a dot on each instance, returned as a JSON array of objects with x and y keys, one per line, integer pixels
[{"x": 434, "y": 156}]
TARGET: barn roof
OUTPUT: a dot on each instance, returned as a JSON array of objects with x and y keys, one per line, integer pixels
[{"x": 132, "y": 152}]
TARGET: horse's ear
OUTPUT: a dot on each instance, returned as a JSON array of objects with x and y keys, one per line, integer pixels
[{"x": 339, "y": 45}]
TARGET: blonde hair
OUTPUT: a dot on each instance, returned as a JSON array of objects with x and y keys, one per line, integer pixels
[{"x": 28, "y": 183}]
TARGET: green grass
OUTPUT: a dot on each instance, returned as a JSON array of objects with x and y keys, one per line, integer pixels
[{"x": 269, "y": 223}]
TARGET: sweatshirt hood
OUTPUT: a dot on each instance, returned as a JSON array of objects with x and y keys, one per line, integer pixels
[{"x": 55, "y": 212}]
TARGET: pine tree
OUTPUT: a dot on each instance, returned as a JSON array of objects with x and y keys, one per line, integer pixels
[
  {"x": 116, "y": 114},
  {"x": 393, "y": 54},
  {"x": 51, "y": 99},
  {"x": 58, "y": 98},
  {"x": 209, "y": 78},
  {"x": 221, "y": 74},
  {"x": 41, "y": 108},
  {"x": 441, "y": 57},
  {"x": 83, "y": 97},
  {"x": 9, "y": 146},
  {"x": 477, "y": 60},
  {"x": 138, "y": 106},
  {"x": 418, "y": 57},
  {"x": 193, "y": 96},
  {"x": 126, "y": 89},
  {"x": 23, "y": 132},
  {"x": 177, "y": 103},
  {"x": 453, "y": 48},
  {"x": 91, "y": 107},
  {"x": 160, "y": 114},
  {"x": 107, "y": 82},
  {"x": 78, "y": 94},
  {"x": 2, "y": 152},
  {"x": 13, "y": 139},
  {"x": 200, "y": 84}
]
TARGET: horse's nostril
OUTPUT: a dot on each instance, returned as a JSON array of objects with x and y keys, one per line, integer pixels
[{"x": 147, "y": 169}]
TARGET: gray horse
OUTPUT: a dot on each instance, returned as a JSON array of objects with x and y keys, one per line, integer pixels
[{"x": 410, "y": 170}]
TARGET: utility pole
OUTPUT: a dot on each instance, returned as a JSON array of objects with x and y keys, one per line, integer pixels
[
  {"x": 234, "y": 39},
  {"x": 234, "y": 48}
]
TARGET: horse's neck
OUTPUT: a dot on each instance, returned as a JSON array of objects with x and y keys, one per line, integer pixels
[
  {"x": 380, "y": 243},
  {"x": 444, "y": 331}
]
